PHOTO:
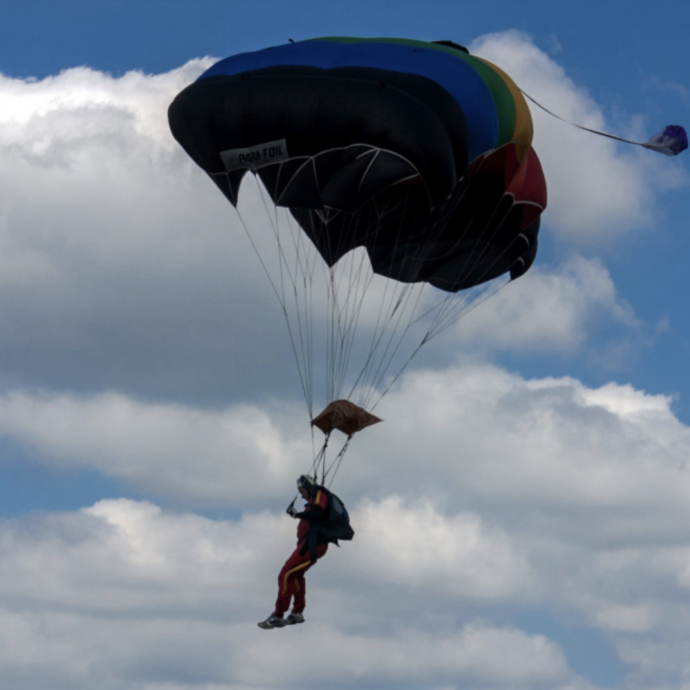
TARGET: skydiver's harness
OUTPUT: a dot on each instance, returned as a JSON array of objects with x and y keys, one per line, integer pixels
[{"x": 335, "y": 525}]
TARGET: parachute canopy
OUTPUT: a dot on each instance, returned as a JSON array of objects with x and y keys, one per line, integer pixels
[{"x": 418, "y": 152}]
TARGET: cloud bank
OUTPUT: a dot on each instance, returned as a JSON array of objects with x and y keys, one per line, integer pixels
[{"x": 140, "y": 340}]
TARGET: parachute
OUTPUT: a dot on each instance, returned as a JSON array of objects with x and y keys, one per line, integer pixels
[{"x": 401, "y": 190}]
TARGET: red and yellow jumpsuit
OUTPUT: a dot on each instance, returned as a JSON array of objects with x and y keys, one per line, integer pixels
[{"x": 291, "y": 582}]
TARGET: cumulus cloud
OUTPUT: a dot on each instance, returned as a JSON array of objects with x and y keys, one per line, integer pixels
[
  {"x": 416, "y": 545},
  {"x": 225, "y": 459},
  {"x": 543, "y": 439},
  {"x": 480, "y": 489},
  {"x": 547, "y": 311},
  {"x": 482, "y": 429},
  {"x": 120, "y": 264},
  {"x": 124, "y": 591}
]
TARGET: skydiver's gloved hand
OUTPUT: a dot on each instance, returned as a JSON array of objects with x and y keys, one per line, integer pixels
[{"x": 291, "y": 510}]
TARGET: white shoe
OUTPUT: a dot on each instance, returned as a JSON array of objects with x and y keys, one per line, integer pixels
[
  {"x": 294, "y": 618},
  {"x": 272, "y": 621}
]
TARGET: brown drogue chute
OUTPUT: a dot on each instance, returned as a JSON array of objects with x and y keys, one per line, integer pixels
[{"x": 344, "y": 416}]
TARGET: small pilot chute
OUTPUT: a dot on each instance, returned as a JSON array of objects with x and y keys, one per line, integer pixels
[{"x": 671, "y": 141}]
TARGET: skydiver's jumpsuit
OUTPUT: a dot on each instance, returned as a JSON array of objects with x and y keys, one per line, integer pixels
[{"x": 291, "y": 579}]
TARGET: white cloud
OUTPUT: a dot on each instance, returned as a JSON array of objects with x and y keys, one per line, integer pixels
[
  {"x": 519, "y": 441},
  {"x": 492, "y": 433},
  {"x": 635, "y": 619},
  {"x": 416, "y": 545},
  {"x": 125, "y": 594},
  {"x": 480, "y": 489},
  {"x": 222, "y": 459},
  {"x": 124, "y": 587},
  {"x": 576, "y": 506},
  {"x": 121, "y": 558},
  {"x": 547, "y": 311},
  {"x": 120, "y": 263},
  {"x": 655, "y": 83},
  {"x": 142, "y": 98}
]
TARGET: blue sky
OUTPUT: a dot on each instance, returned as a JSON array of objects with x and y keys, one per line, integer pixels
[{"x": 522, "y": 513}]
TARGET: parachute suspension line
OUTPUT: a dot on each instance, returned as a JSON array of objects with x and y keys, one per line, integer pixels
[
  {"x": 398, "y": 374},
  {"x": 295, "y": 286},
  {"x": 389, "y": 333},
  {"x": 432, "y": 234},
  {"x": 452, "y": 307},
  {"x": 311, "y": 259},
  {"x": 330, "y": 312},
  {"x": 320, "y": 460},
  {"x": 377, "y": 326},
  {"x": 335, "y": 465},
  {"x": 347, "y": 284},
  {"x": 450, "y": 310},
  {"x": 383, "y": 354},
  {"x": 357, "y": 298},
  {"x": 472, "y": 261},
  {"x": 392, "y": 347},
  {"x": 306, "y": 259},
  {"x": 280, "y": 295},
  {"x": 351, "y": 278},
  {"x": 344, "y": 319},
  {"x": 342, "y": 316},
  {"x": 297, "y": 340},
  {"x": 465, "y": 307},
  {"x": 348, "y": 288},
  {"x": 344, "y": 285},
  {"x": 392, "y": 310},
  {"x": 329, "y": 331}
]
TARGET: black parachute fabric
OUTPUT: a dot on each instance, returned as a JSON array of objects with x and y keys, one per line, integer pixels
[{"x": 322, "y": 138}]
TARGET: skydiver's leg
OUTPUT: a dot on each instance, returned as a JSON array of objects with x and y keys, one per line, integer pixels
[
  {"x": 300, "y": 593},
  {"x": 300, "y": 585},
  {"x": 286, "y": 580}
]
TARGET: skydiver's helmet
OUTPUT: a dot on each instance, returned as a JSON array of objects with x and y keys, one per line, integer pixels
[{"x": 306, "y": 482}]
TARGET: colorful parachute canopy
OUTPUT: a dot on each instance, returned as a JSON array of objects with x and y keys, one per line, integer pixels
[{"x": 419, "y": 152}]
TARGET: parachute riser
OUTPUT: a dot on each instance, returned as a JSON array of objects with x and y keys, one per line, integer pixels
[
  {"x": 318, "y": 466},
  {"x": 321, "y": 469}
]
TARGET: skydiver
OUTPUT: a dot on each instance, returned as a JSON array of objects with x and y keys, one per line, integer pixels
[{"x": 291, "y": 584}]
